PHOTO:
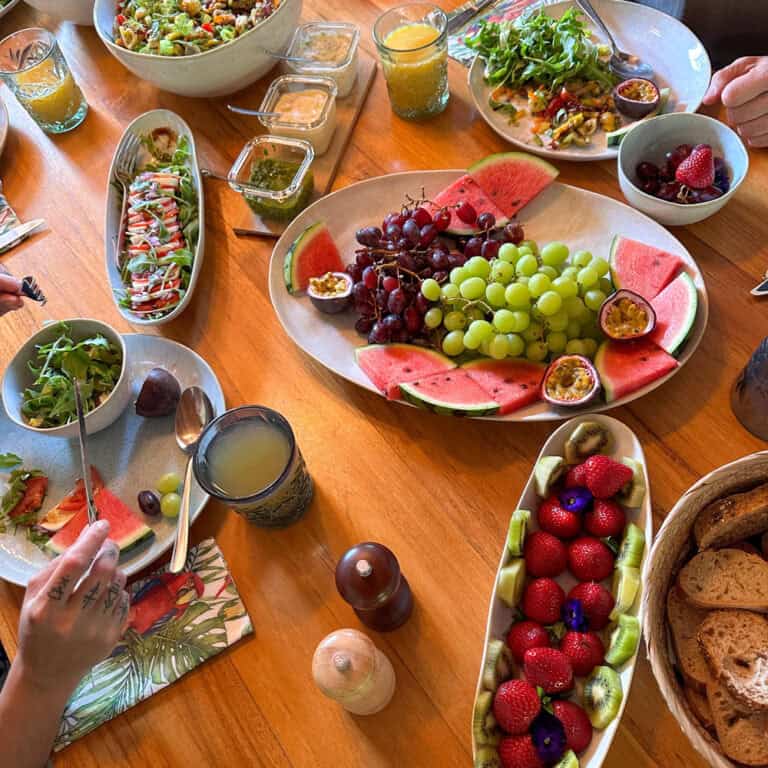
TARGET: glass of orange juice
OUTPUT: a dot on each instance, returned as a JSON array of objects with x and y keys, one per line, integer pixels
[
  {"x": 33, "y": 66},
  {"x": 412, "y": 41}
]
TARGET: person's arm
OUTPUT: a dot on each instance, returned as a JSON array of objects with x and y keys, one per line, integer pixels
[
  {"x": 65, "y": 628},
  {"x": 10, "y": 293},
  {"x": 742, "y": 87}
]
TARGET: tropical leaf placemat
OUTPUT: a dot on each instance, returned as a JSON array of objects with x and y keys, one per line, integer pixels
[{"x": 177, "y": 621}]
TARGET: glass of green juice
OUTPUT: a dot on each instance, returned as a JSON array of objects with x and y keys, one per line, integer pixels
[
  {"x": 248, "y": 458},
  {"x": 412, "y": 41}
]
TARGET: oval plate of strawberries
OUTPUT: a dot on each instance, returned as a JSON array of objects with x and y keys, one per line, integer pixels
[{"x": 564, "y": 622}]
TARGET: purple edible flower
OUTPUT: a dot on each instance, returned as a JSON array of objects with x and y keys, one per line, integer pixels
[
  {"x": 548, "y": 737},
  {"x": 575, "y": 499},
  {"x": 573, "y": 616}
]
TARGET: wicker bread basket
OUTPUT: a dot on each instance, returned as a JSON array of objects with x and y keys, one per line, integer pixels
[{"x": 671, "y": 548}]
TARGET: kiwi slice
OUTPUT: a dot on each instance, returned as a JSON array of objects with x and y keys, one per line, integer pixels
[
  {"x": 509, "y": 587},
  {"x": 548, "y": 470},
  {"x": 484, "y": 727},
  {"x": 498, "y": 665},
  {"x": 602, "y": 696},
  {"x": 626, "y": 583},
  {"x": 633, "y": 493},
  {"x": 588, "y": 438},
  {"x": 518, "y": 525},
  {"x": 624, "y": 640},
  {"x": 487, "y": 757},
  {"x": 632, "y": 547},
  {"x": 568, "y": 760}
]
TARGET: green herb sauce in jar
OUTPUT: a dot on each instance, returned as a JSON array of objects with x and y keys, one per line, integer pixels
[{"x": 275, "y": 175}]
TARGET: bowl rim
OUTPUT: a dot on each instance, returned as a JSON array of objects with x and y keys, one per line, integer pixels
[
  {"x": 688, "y": 206},
  {"x": 112, "y": 45},
  {"x": 12, "y": 414}
]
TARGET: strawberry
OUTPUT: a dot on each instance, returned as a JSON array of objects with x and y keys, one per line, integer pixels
[
  {"x": 556, "y": 520},
  {"x": 575, "y": 477},
  {"x": 542, "y": 600},
  {"x": 515, "y": 705},
  {"x": 519, "y": 752},
  {"x": 589, "y": 559},
  {"x": 585, "y": 650},
  {"x": 549, "y": 669},
  {"x": 698, "y": 169},
  {"x": 606, "y": 518},
  {"x": 596, "y": 602},
  {"x": 545, "y": 554},
  {"x": 525, "y": 635},
  {"x": 605, "y": 477},
  {"x": 578, "y": 729}
]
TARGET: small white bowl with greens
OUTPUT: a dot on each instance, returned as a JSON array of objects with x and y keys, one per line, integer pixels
[{"x": 37, "y": 388}]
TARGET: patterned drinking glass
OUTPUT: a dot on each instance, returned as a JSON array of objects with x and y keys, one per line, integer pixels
[{"x": 33, "y": 66}]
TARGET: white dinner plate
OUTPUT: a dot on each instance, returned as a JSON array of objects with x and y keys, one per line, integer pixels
[
  {"x": 130, "y": 456},
  {"x": 679, "y": 60},
  {"x": 581, "y": 219}
]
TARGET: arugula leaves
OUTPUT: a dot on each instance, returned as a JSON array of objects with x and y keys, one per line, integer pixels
[{"x": 8, "y": 460}]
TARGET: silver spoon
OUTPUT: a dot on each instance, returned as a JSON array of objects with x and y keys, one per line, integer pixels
[
  {"x": 252, "y": 112},
  {"x": 623, "y": 64},
  {"x": 283, "y": 57},
  {"x": 193, "y": 414},
  {"x": 208, "y": 174}
]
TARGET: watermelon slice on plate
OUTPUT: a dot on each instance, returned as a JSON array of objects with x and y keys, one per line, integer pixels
[
  {"x": 644, "y": 269},
  {"x": 454, "y": 393},
  {"x": 312, "y": 253},
  {"x": 626, "y": 366},
  {"x": 675, "y": 309},
  {"x": 512, "y": 384},
  {"x": 57, "y": 517},
  {"x": 465, "y": 188}
]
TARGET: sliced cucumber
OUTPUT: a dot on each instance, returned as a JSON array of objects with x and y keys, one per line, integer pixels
[{"x": 518, "y": 525}]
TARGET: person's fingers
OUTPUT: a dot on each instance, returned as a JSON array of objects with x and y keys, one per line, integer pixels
[
  {"x": 759, "y": 141},
  {"x": 122, "y": 612},
  {"x": 73, "y": 564},
  {"x": 753, "y": 128},
  {"x": 9, "y": 283},
  {"x": 111, "y": 597},
  {"x": 746, "y": 87},
  {"x": 40, "y": 579},
  {"x": 9, "y": 302},
  {"x": 94, "y": 586},
  {"x": 722, "y": 77},
  {"x": 753, "y": 109}
]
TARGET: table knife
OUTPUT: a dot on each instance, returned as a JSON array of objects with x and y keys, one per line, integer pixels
[
  {"x": 19, "y": 232},
  {"x": 460, "y": 18},
  {"x": 92, "y": 512}
]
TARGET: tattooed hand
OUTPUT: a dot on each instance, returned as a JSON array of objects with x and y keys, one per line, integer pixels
[{"x": 68, "y": 623}]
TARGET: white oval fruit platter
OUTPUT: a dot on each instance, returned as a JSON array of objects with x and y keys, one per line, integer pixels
[
  {"x": 565, "y": 620},
  {"x": 544, "y": 301}
]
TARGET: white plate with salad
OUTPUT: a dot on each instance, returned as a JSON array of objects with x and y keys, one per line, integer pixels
[
  {"x": 542, "y": 82},
  {"x": 164, "y": 229}
]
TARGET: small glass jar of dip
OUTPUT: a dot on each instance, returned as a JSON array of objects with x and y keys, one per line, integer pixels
[
  {"x": 330, "y": 49},
  {"x": 305, "y": 107},
  {"x": 273, "y": 174}
]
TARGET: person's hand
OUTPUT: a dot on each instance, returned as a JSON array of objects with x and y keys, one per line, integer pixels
[
  {"x": 10, "y": 293},
  {"x": 66, "y": 627},
  {"x": 742, "y": 87}
]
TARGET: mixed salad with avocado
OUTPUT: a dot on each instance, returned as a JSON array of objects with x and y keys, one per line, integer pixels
[
  {"x": 22, "y": 493},
  {"x": 185, "y": 27},
  {"x": 161, "y": 230}
]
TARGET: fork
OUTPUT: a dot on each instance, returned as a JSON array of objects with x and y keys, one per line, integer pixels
[
  {"x": 125, "y": 169},
  {"x": 31, "y": 289}
]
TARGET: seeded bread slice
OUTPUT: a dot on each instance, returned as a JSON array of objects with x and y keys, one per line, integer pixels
[
  {"x": 726, "y": 578},
  {"x": 732, "y": 518},
  {"x": 684, "y": 622},
  {"x": 746, "y": 677},
  {"x": 699, "y": 705},
  {"x": 731, "y": 633},
  {"x": 742, "y": 736}
]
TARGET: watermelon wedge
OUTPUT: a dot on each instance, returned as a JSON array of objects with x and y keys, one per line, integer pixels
[
  {"x": 57, "y": 517},
  {"x": 512, "y": 179},
  {"x": 126, "y": 529},
  {"x": 467, "y": 189},
  {"x": 644, "y": 269},
  {"x": 512, "y": 384},
  {"x": 389, "y": 365},
  {"x": 626, "y": 366},
  {"x": 312, "y": 253},
  {"x": 675, "y": 309},
  {"x": 454, "y": 393}
]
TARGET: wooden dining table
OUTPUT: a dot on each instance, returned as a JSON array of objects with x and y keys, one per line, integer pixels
[{"x": 438, "y": 491}]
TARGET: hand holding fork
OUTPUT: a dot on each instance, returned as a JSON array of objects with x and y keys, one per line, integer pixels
[{"x": 12, "y": 289}]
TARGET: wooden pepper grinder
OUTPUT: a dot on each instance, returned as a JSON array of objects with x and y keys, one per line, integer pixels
[
  {"x": 368, "y": 577},
  {"x": 350, "y": 669}
]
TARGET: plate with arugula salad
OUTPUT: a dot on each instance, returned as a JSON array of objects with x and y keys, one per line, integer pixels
[
  {"x": 162, "y": 237},
  {"x": 542, "y": 81}
]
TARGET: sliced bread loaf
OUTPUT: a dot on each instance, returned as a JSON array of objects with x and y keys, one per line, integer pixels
[
  {"x": 699, "y": 705},
  {"x": 732, "y": 518},
  {"x": 746, "y": 677},
  {"x": 684, "y": 622},
  {"x": 726, "y": 578},
  {"x": 742, "y": 736},
  {"x": 731, "y": 633}
]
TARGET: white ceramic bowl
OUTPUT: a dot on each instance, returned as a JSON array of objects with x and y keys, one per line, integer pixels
[
  {"x": 217, "y": 72},
  {"x": 77, "y": 11},
  {"x": 17, "y": 377},
  {"x": 650, "y": 139}
]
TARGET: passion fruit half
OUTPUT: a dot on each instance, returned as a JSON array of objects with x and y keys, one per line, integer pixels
[
  {"x": 330, "y": 293},
  {"x": 570, "y": 380},
  {"x": 626, "y": 316},
  {"x": 636, "y": 97}
]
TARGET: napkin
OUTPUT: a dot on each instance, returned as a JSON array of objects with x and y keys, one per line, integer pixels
[{"x": 176, "y": 623}]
